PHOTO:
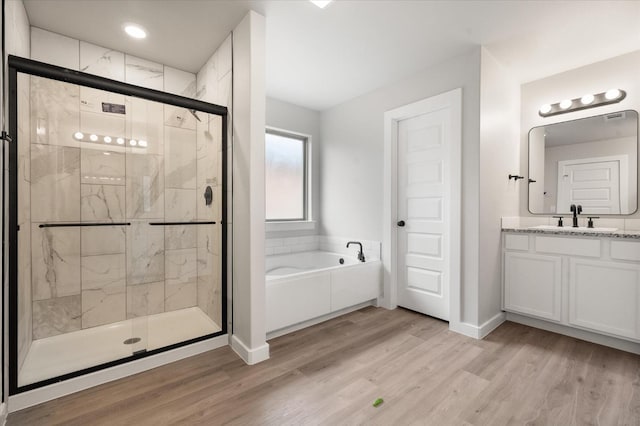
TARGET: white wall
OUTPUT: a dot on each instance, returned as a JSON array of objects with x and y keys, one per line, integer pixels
[
  {"x": 499, "y": 157},
  {"x": 620, "y": 72},
  {"x": 287, "y": 116},
  {"x": 249, "y": 95},
  {"x": 351, "y": 160}
]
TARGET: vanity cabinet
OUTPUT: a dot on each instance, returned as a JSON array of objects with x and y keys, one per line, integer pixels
[
  {"x": 582, "y": 282},
  {"x": 603, "y": 296},
  {"x": 533, "y": 284}
]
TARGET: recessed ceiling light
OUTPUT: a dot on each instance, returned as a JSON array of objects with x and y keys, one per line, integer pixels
[
  {"x": 135, "y": 31},
  {"x": 321, "y": 3},
  {"x": 142, "y": 143},
  {"x": 107, "y": 139},
  {"x": 93, "y": 138},
  {"x": 120, "y": 141},
  {"x": 78, "y": 135}
]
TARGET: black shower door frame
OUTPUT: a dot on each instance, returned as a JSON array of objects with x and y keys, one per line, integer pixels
[{"x": 41, "y": 69}]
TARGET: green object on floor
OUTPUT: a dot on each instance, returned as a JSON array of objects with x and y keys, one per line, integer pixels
[{"x": 378, "y": 402}]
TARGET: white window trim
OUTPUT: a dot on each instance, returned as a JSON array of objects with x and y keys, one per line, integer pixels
[
  {"x": 297, "y": 225},
  {"x": 291, "y": 225}
]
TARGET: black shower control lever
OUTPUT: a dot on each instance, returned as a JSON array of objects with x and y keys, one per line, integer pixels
[
  {"x": 208, "y": 196},
  {"x": 401, "y": 223},
  {"x": 590, "y": 222},
  {"x": 560, "y": 224}
]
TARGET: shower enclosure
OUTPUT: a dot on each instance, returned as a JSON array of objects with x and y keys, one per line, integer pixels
[{"x": 116, "y": 205}]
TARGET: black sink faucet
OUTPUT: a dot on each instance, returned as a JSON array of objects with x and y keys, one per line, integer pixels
[
  {"x": 576, "y": 210},
  {"x": 360, "y": 253}
]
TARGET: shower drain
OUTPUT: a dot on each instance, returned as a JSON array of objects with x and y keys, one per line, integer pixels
[{"x": 132, "y": 340}]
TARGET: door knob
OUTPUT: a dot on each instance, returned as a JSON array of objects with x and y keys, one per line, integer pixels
[{"x": 401, "y": 223}]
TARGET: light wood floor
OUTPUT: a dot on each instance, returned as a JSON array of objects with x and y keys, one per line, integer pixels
[{"x": 331, "y": 374}]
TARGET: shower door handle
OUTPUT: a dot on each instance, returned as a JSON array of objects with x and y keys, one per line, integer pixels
[
  {"x": 66, "y": 225},
  {"x": 401, "y": 223}
]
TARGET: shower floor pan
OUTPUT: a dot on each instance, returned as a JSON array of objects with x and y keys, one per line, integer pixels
[{"x": 69, "y": 352}]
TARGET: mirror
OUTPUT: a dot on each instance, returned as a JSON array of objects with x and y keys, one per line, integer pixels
[{"x": 592, "y": 162}]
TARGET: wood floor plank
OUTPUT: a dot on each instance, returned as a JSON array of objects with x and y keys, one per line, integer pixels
[{"x": 331, "y": 373}]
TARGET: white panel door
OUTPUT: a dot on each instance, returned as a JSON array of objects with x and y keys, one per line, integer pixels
[
  {"x": 593, "y": 184},
  {"x": 424, "y": 203}
]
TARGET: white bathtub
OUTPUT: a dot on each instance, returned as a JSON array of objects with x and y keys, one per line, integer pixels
[{"x": 310, "y": 285}]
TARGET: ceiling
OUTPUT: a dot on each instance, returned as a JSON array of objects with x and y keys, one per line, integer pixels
[
  {"x": 599, "y": 128},
  {"x": 319, "y": 58}
]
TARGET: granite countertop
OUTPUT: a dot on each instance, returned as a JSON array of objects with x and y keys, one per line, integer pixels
[{"x": 612, "y": 234}]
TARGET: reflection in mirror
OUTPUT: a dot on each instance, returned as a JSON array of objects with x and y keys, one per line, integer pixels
[{"x": 592, "y": 162}]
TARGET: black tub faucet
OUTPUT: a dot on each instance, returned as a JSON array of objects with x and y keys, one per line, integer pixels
[
  {"x": 360, "y": 253},
  {"x": 576, "y": 210}
]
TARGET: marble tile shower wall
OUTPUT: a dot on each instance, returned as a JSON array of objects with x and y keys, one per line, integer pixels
[{"x": 89, "y": 276}]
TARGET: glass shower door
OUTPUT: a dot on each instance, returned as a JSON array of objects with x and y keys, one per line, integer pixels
[{"x": 119, "y": 243}]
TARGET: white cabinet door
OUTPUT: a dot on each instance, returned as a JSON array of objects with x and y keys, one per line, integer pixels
[
  {"x": 533, "y": 284},
  {"x": 604, "y": 296}
]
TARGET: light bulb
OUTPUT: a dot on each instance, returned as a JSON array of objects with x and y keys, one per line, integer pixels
[
  {"x": 107, "y": 139},
  {"x": 78, "y": 135},
  {"x": 142, "y": 143},
  {"x": 566, "y": 103},
  {"x": 587, "y": 99},
  {"x": 120, "y": 141},
  {"x": 93, "y": 138},
  {"x": 545, "y": 108},
  {"x": 612, "y": 94},
  {"x": 133, "y": 142}
]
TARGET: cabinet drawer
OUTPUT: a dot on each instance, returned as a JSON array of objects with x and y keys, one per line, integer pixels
[
  {"x": 516, "y": 242},
  {"x": 625, "y": 250},
  {"x": 569, "y": 246}
]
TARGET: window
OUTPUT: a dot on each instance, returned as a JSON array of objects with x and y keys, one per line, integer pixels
[{"x": 285, "y": 176}]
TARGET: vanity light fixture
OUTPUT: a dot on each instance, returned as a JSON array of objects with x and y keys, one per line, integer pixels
[
  {"x": 566, "y": 103},
  {"x": 612, "y": 94},
  {"x": 100, "y": 139},
  {"x": 587, "y": 101},
  {"x": 545, "y": 108},
  {"x": 321, "y": 3}
]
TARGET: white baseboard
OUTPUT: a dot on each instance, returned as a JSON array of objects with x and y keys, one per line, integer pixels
[
  {"x": 3, "y": 413},
  {"x": 600, "y": 339},
  {"x": 315, "y": 321},
  {"x": 478, "y": 332},
  {"x": 250, "y": 356},
  {"x": 57, "y": 390}
]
